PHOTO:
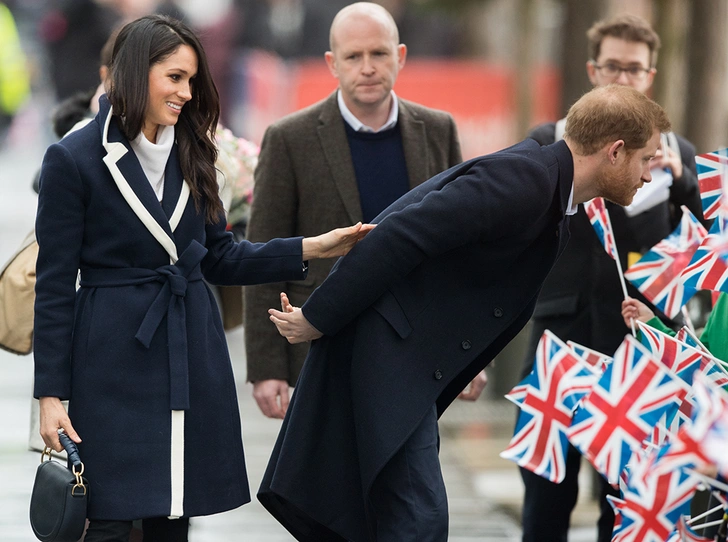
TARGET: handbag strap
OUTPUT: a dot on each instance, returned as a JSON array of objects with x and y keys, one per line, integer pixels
[{"x": 71, "y": 448}]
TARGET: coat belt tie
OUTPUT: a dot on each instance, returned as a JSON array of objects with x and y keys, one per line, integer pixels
[{"x": 170, "y": 303}]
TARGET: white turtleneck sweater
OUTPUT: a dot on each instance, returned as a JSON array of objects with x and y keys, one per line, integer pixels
[{"x": 153, "y": 156}]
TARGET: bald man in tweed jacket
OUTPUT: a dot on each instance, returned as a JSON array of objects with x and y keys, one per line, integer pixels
[
  {"x": 335, "y": 163},
  {"x": 305, "y": 183}
]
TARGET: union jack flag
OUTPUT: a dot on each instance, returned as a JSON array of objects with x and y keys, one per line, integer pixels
[
  {"x": 686, "y": 448},
  {"x": 622, "y": 408},
  {"x": 686, "y": 361},
  {"x": 595, "y": 359},
  {"x": 708, "y": 269},
  {"x": 598, "y": 215},
  {"x": 657, "y": 273},
  {"x": 557, "y": 383},
  {"x": 684, "y": 533},
  {"x": 685, "y": 335},
  {"x": 710, "y": 421},
  {"x": 649, "y": 511},
  {"x": 711, "y": 168},
  {"x": 678, "y": 357}
]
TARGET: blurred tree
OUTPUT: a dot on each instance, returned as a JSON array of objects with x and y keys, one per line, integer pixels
[
  {"x": 524, "y": 62},
  {"x": 707, "y": 70},
  {"x": 671, "y": 24},
  {"x": 579, "y": 16}
]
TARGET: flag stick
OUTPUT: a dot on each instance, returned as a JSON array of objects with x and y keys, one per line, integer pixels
[
  {"x": 688, "y": 321},
  {"x": 704, "y": 514},
  {"x": 708, "y": 480},
  {"x": 620, "y": 273},
  {"x": 709, "y": 524}
]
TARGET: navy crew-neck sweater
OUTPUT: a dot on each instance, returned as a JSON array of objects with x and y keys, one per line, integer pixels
[{"x": 380, "y": 168}]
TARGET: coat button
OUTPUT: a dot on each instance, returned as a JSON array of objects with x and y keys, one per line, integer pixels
[
  {"x": 466, "y": 345},
  {"x": 557, "y": 233},
  {"x": 497, "y": 312},
  {"x": 438, "y": 374}
]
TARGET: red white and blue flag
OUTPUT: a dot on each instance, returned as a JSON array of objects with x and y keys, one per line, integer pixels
[
  {"x": 598, "y": 215},
  {"x": 649, "y": 510},
  {"x": 711, "y": 169},
  {"x": 551, "y": 392},
  {"x": 710, "y": 421},
  {"x": 686, "y": 335},
  {"x": 708, "y": 269},
  {"x": 657, "y": 273},
  {"x": 595, "y": 359},
  {"x": 686, "y": 361},
  {"x": 684, "y": 533},
  {"x": 686, "y": 449},
  {"x": 622, "y": 408}
]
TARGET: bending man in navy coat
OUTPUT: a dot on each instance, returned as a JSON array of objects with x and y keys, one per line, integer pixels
[{"x": 402, "y": 324}]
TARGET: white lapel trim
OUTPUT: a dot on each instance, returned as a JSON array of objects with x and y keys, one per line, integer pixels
[
  {"x": 180, "y": 208},
  {"x": 115, "y": 151}
]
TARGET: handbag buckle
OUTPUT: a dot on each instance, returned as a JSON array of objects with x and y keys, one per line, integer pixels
[
  {"x": 79, "y": 481},
  {"x": 46, "y": 452}
]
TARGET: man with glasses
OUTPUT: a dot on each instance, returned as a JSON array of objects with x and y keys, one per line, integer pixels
[{"x": 581, "y": 298}]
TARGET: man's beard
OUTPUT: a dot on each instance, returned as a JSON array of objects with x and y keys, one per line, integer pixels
[{"x": 616, "y": 187}]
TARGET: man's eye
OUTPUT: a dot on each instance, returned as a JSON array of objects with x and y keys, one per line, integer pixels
[{"x": 634, "y": 70}]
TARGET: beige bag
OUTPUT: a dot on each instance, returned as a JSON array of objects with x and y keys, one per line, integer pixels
[{"x": 17, "y": 297}]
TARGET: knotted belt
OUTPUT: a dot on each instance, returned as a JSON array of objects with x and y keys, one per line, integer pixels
[{"x": 169, "y": 302}]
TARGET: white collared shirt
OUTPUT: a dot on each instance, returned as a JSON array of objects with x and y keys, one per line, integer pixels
[
  {"x": 571, "y": 209},
  {"x": 358, "y": 125}
]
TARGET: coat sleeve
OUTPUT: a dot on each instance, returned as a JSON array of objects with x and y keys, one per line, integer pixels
[
  {"x": 229, "y": 263},
  {"x": 478, "y": 206},
  {"x": 59, "y": 230},
  {"x": 273, "y": 214}
]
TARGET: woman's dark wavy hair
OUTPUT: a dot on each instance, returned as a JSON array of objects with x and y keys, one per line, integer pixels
[{"x": 141, "y": 44}]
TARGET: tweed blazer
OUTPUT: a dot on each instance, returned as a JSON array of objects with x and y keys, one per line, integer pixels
[{"x": 305, "y": 185}]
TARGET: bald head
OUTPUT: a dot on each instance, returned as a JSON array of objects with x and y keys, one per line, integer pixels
[{"x": 354, "y": 14}]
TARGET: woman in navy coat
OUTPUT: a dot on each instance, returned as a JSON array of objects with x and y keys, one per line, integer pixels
[{"x": 131, "y": 200}]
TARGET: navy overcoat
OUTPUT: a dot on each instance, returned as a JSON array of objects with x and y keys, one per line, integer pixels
[
  {"x": 139, "y": 349},
  {"x": 447, "y": 278}
]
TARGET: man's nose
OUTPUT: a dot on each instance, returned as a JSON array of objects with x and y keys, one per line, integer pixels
[
  {"x": 647, "y": 174},
  {"x": 367, "y": 65},
  {"x": 622, "y": 78}
]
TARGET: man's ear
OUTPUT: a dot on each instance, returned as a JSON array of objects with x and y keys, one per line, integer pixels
[
  {"x": 614, "y": 150},
  {"x": 331, "y": 63},
  {"x": 591, "y": 72}
]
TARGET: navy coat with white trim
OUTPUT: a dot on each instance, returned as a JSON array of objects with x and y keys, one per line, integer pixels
[
  {"x": 141, "y": 337},
  {"x": 447, "y": 278}
]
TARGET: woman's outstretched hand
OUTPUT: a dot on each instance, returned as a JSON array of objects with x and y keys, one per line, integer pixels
[{"x": 336, "y": 242}]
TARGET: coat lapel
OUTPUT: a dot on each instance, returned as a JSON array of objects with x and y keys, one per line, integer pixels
[
  {"x": 176, "y": 190},
  {"x": 133, "y": 184},
  {"x": 332, "y": 136},
  {"x": 414, "y": 142}
]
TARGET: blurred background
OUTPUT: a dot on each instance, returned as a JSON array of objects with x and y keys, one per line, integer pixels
[{"x": 499, "y": 67}]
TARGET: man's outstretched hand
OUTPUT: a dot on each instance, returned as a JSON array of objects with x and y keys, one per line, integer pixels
[{"x": 292, "y": 324}]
